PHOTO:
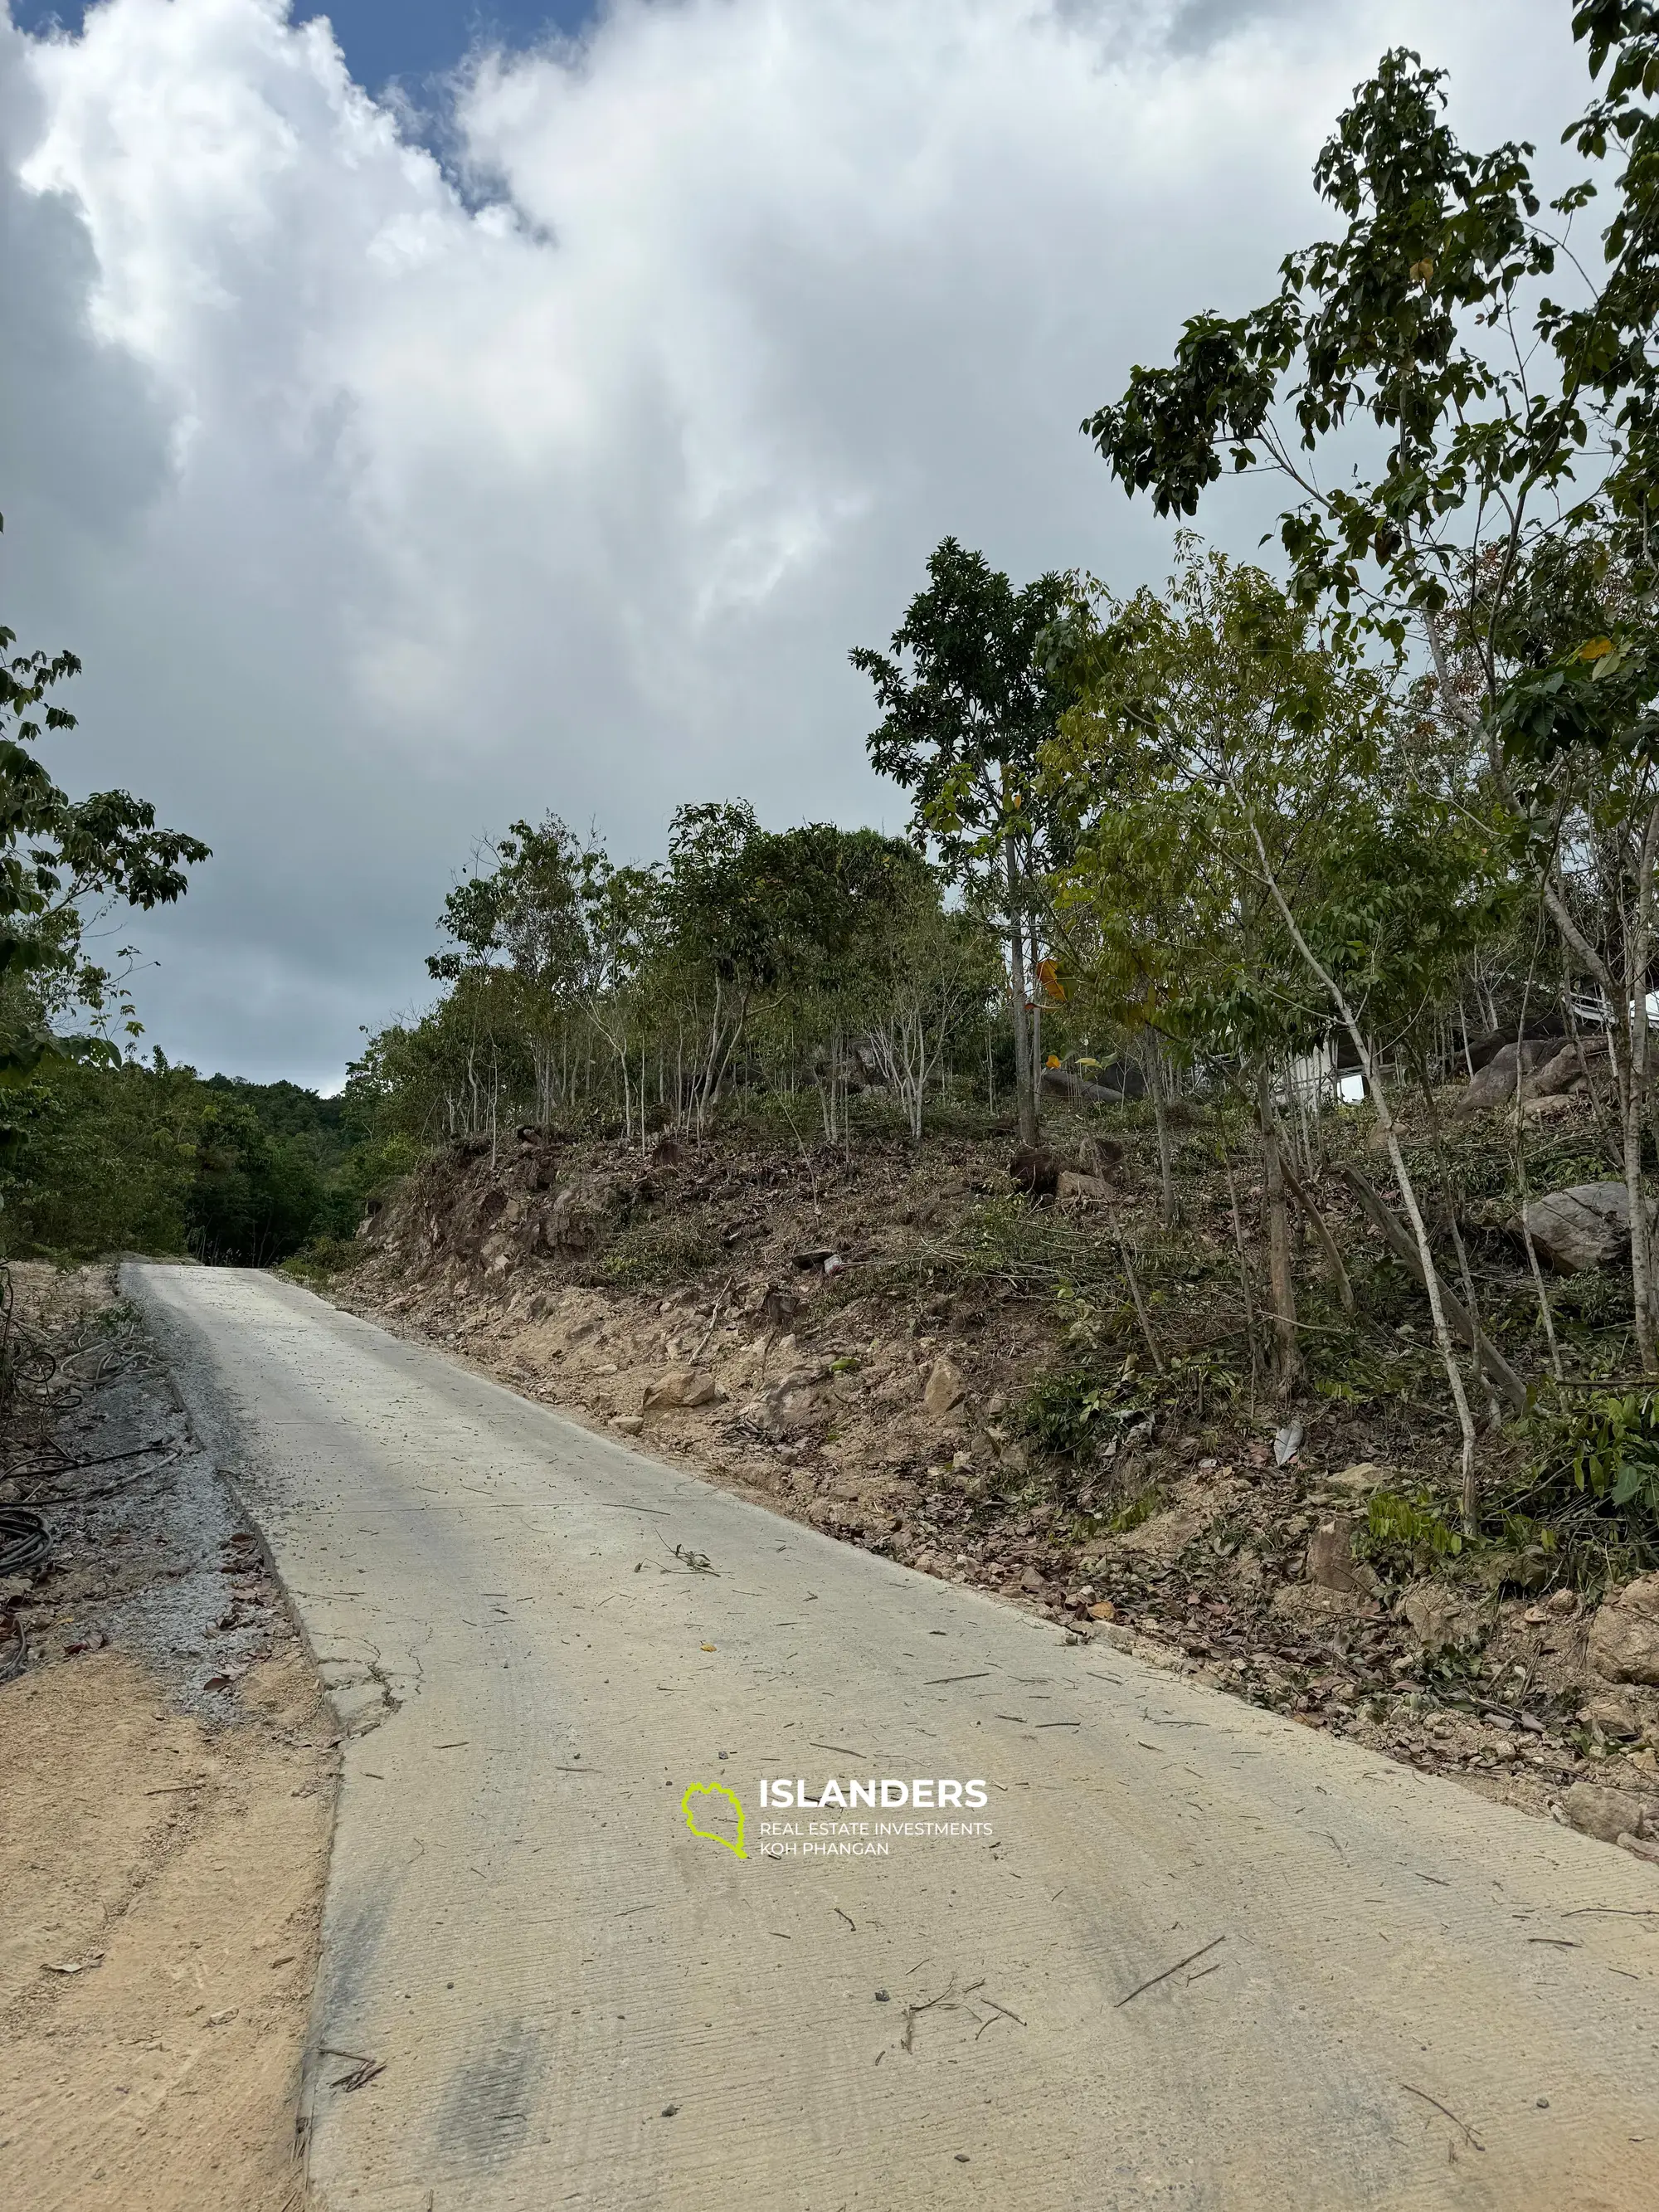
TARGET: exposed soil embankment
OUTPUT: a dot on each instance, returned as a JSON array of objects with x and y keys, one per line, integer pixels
[
  {"x": 168, "y": 1805},
  {"x": 865, "y": 1339}
]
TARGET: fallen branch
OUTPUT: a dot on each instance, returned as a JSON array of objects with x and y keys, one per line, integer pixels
[
  {"x": 1155, "y": 1978},
  {"x": 1321, "y": 1228},
  {"x": 1468, "y": 2131}
]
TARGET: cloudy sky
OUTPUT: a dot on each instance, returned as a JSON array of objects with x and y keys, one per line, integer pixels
[{"x": 493, "y": 408}]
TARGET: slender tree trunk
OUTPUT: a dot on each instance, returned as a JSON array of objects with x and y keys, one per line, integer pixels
[
  {"x": 1036, "y": 996},
  {"x": 1634, "y": 1086},
  {"x": 1152, "y": 1062},
  {"x": 1245, "y": 1290},
  {"x": 1379, "y": 1097},
  {"x": 1327, "y": 1244},
  {"x": 1022, "y": 1092},
  {"x": 1287, "y": 1351}
]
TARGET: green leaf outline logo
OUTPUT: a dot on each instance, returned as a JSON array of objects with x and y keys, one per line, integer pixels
[{"x": 714, "y": 1789}]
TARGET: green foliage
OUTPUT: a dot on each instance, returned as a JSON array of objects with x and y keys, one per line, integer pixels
[
  {"x": 1596, "y": 1299},
  {"x": 656, "y": 1254},
  {"x": 1073, "y": 1412},
  {"x": 322, "y": 1259},
  {"x": 97, "y": 1159},
  {"x": 62, "y": 862},
  {"x": 968, "y": 699},
  {"x": 1382, "y": 325},
  {"x": 151, "y": 1158},
  {"x": 1408, "y": 1529},
  {"x": 1604, "y": 1447}
]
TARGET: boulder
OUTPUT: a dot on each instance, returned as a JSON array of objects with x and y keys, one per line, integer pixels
[
  {"x": 580, "y": 1214},
  {"x": 1494, "y": 1085},
  {"x": 679, "y": 1387},
  {"x": 1615, "y": 1715},
  {"x": 787, "y": 1405},
  {"x": 1442, "y": 1620},
  {"x": 1586, "y": 1226},
  {"x": 1624, "y": 1636},
  {"x": 1606, "y": 1814},
  {"x": 1079, "y": 1089}
]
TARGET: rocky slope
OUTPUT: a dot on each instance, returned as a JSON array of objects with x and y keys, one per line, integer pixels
[{"x": 862, "y": 1338}]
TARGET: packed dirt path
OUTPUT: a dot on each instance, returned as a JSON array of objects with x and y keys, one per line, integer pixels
[{"x": 1390, "y": 1993}]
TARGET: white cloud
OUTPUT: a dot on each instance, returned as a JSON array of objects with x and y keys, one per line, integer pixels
[{"x": 379, "y": 515}]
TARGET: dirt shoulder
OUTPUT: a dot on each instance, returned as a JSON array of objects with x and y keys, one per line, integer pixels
[
  {"x": 864, "y": 1340},
  {"x": 165, "y": 1829}
]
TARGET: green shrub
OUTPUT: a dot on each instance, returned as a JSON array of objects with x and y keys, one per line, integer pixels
[
  {"x": 1072, "y": 1413},
  {"x": 1406, "y": 1532},
  {"x": 323, "y": 1259},
  {"x": 654, "y": 1255}
]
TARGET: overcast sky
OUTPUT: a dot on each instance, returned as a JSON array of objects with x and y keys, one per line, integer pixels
[{"x": 387, "y": 500}]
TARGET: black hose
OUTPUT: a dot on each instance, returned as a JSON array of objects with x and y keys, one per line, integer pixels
[{"x": 25, "y": 1539}]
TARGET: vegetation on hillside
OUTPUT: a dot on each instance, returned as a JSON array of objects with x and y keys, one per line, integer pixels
[{"x": 1179, "y": 859}]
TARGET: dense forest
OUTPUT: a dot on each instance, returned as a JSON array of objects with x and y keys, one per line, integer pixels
[{"x": 1233, "y": 849}]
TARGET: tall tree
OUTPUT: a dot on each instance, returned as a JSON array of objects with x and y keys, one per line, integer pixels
[
  {"x": 1507, "y": 426},
  {"x": 968, "y": 699}
]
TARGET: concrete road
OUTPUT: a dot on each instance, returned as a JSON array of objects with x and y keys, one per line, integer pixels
[{"x": 1395, "y": 1995}]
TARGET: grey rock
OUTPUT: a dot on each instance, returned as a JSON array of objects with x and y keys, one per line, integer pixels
[
  {"x": 1586, "y": 1226},
  {"x": 944, "y": 1389},
  {"x": 1624, "y": 1636},
  {"x": 1074, "y": 1189},
  {"x": 1495, "y": 1084},
  {"x": 1442, "y": 1620},
  {"x": 680, "y": 1386},
  {"x": 1606, "y": 1814}
]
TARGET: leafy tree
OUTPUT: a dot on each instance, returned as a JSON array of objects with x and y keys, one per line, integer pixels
[
  {"x": 1426, "y": 321},
  {"x": 1263, "y": 850},
  {"x": 62, "y": 862},
  {"x": 968, "y": 698}
]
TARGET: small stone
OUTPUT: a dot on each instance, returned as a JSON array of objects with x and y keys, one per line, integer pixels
[
  {"x": 1364, "y": 1475},
  {"x": 1439, "y": 1618},
  {"x": 629, "y": 1425},
  {"x": 680, "y": 1386},
  {"x": 1031, "y": 1580},
  {"x": 944, "y": 1389}
]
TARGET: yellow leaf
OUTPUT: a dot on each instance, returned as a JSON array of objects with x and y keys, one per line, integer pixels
[
  {"x": 1052, "y": 1061},
  {"x": 1597, "y": 649}
]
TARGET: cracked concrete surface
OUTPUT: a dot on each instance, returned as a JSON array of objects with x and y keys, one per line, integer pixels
[{"x": 1391, "y": 1994}]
